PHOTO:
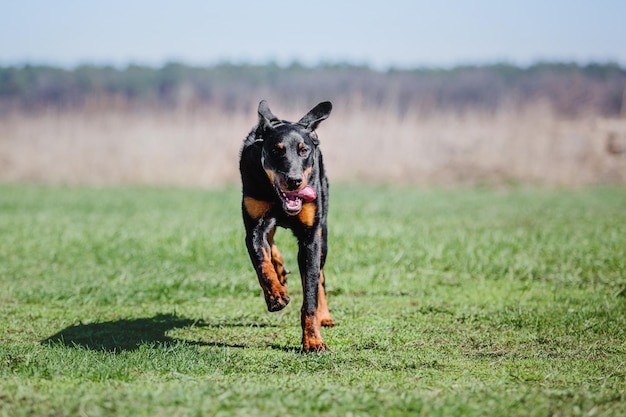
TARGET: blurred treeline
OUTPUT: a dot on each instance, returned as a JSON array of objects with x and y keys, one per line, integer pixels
[{"x": 570, "y": 89}]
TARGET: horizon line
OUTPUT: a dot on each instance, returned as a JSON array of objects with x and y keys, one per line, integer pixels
[{"x": 297, "y": 63}]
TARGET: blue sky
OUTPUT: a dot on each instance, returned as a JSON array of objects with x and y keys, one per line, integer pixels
[{"x": 398, "y": 33}]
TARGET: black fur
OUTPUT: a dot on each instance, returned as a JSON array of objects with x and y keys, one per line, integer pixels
[{"x": 279, "y": 161}]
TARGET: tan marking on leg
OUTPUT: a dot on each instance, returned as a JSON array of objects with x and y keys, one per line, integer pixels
[
  {"x": 311, "y": 335},
  {"x": 311, "y": 324},
  {"x": 273, "y": 289},
  {"x": 322, "y": 312},
  {"x": 277, "y": 259}
]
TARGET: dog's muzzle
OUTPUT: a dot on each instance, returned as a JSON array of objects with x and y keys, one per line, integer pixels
[{"x": 293, "y": 200}]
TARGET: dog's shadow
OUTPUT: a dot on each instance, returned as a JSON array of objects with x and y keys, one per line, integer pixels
[{"x": 129, "y": 334}]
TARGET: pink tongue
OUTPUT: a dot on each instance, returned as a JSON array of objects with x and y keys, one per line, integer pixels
[{"x": 307, "y": 194}]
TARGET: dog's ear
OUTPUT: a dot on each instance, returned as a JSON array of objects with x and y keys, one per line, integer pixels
[
  {"x": 266, "y": 117},
  {"x": 317, "y": 114}
]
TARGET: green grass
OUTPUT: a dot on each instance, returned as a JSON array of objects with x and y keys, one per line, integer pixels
[{"x": 142, "y": 302}]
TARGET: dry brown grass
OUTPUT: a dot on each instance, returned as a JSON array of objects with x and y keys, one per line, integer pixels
[{"x": 200, "y": 147}]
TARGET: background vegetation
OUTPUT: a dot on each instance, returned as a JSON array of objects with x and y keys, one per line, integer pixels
[
  {"x": 569, "y": 88},
  {"x": 550, "y": 123}
]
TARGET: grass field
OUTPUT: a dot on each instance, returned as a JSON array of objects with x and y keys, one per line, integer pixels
[{"x": 142, "y": 302}]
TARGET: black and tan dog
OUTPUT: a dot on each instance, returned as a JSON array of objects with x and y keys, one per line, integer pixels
[{"x": 284, "y": 184}]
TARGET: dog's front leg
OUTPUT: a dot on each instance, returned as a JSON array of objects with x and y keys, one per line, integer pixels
[
  {"x": 258, "y": 238},
  {"x": 309, "y": 262}
]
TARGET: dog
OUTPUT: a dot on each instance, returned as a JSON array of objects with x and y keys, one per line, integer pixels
[{"x": 284, "y": 184}]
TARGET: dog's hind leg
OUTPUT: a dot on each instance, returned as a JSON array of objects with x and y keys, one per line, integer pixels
[
  {"x": 322, "y": 306},
  {"x": 322, "y": 312}
]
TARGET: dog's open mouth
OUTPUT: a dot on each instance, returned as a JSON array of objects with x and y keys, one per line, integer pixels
[{"x": 292, "y": 200}]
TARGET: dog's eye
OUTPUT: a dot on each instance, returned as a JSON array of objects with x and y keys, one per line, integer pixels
[
  {"x": 278, "y": 150},
  {"x": 303, "y": 151}
]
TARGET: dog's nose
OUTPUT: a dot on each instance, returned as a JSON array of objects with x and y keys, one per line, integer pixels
[{"x": 293, "y": 183}]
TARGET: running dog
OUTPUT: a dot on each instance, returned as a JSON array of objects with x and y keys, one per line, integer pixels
[{"x": 284, "y": 184}]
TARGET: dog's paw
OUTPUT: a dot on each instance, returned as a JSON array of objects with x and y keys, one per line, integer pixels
[
  {"x": 277, "y": 303},
  {"x": 311, "y": 346},
  {"x": 327, "y": 322}
]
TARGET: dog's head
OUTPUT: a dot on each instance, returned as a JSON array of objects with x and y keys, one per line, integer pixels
[{"x": 289, "y": 152}]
